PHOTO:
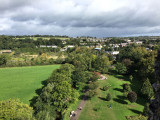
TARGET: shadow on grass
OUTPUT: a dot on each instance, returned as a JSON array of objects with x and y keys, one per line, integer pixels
[
  {"x": 121, "y": 97},
  {"x": 102, "y": 98},
  {"x": 118, "y": 89},
  {"x": 136, "y": 111},
  {"x": 136, "y": 85},
  {"x": 33, "y": 101},
  {"x": 38, "y": 92},
  {"x": 103, "y": 89},
  {"x": 120, "y": 101}
]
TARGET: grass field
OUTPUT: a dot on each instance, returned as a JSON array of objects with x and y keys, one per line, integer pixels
[
  {"x": 21, "y": 82},
  {"x": 97, "y": 109}
]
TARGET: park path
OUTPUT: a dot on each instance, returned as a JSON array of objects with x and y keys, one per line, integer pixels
[
  {"x": 83, "y": 102},
  {"x": 78, "y": 111}
]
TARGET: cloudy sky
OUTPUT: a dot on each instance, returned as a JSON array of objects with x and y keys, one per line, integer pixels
[{"x": 99, "y": 18}]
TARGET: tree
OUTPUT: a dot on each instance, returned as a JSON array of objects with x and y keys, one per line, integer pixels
[
  {"x": 121, "y": 68},
  {"x": 95, "y": 76},
  {"x": 3, "y": 59},
  {"x": 108, "y": 98},
  {"x": 102, "y": 64},
  {"x": 59, "y": 95},
  {"x": 130, "y": 77},
  {"x": 147, "y": 89},
  {"x": 13, "y": 109},
  {"x": 126, "y": 87},
  {"x": 93, "y": 85},
  {"x": 127, "y": 62},
  {"x": 91, "y": 93},
  {"x": 132, "y": 96}
]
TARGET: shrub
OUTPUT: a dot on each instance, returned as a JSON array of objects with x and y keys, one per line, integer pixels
[
  {"x": 130, "y": 77},
  {"x": 108, "y": 98},
  {"x": 125, "y": 94},
  {"x": 96, "y": 108},
  {"x": 105, "y": 88},
  {"x": 93, "y": 85},
  {"x": 126, "y": 87},
  {"x": 132, "y": 96},
  {"x": 91, "y": 93}
]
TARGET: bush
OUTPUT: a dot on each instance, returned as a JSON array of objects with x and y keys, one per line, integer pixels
[
  {"x": 91, "y": 93},
  {"x": 132, "y": 96},
  {"x": 93, "y": 85},
  {"x": 126, "y": 87},
  {"x": 108, "y": 98},
  {"x": 137, "y": 117},
  {"x": 96, "y": 108},
  {"x": 125, "y": 94},
  {"x": 105, "y": 88}
]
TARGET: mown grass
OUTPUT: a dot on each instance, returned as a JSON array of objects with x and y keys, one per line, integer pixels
[
  {"x": 21, "y": 82},
  {"x": 97, "y": 108}
]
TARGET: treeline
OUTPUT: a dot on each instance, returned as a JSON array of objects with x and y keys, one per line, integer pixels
[
  {"x": 8, "y": 42},
  {"x": 138, "y": 64},
  {"x": 7, "y": 60}
]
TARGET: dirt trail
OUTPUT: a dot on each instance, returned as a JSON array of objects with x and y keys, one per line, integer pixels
[{"x": 78, "y": 111}]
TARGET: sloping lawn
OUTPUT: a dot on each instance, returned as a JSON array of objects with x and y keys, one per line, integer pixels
[
  {"x": 97, "y": 108},
  {"x": 21, "y": 82}
]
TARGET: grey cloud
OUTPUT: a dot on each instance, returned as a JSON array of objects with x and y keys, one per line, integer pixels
[{"x": 77, "y": 18}]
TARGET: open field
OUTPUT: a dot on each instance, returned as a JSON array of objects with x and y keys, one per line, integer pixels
[
  {"x": 21, "y": 82},
  {"x": 97, "y": 108}
]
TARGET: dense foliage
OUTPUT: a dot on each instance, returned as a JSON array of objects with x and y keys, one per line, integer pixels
[{"x": 15, "y": 110}]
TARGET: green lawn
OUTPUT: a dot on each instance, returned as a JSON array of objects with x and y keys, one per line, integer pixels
[
  {"x": 120, "y": 107},
  {"x": 21, "y": 82}
]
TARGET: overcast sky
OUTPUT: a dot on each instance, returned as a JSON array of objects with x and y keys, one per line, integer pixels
[{"x": 98, "y": 18}]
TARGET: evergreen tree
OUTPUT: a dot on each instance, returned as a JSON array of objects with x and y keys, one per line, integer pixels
[
  {"x": 147, "y": 89},
  {"x": 108, "y": 98}
]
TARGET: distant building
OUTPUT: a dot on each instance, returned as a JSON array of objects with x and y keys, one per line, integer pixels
[
  {"x": 48, "y": 46},
  {"x": 113, "y": 52},
  {"x": 99, "y": 49},
  {"x": 124, "y": 44},
  {"x": 70, "y": 46},
  {"x": 5, "y": 51},
  {"x": 139, "y": 42}
]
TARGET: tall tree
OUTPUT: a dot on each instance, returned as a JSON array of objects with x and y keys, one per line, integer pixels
[{"x": 147, "y": 89}]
